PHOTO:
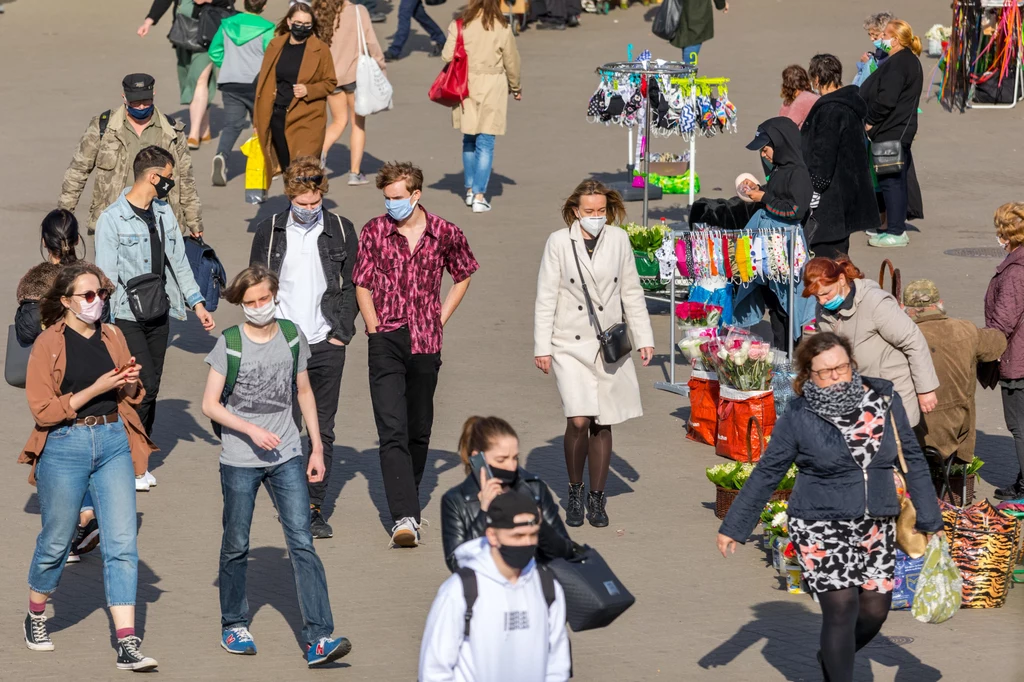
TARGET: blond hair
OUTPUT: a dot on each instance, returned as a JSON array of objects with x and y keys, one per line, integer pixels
[
  {"x": 1009, "y": 221},
  {"x": 305, "y": 174},
  {"x": 905, "y": 35},
  {"x": 615, "y": 211}
]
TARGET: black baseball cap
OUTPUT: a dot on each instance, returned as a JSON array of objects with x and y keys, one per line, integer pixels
[
  {"x": 506, "y": 507},
  {"x": 760, "y": 140},
  {"x": 138, "y": 87}
]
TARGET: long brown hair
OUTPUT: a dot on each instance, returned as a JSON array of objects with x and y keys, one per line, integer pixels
[
  {"x": 282, "y": 26},
  {"x": 325, "y": 14},
  {"x": 51, "y": 310},
  {"x": 823, "y": 272},
  {"x": 615, "y": 211},
  {"x": 813, "y": 346},
  {"x": 477, "y": 435},
  {"x": 491, "y": 11},
  {"x": 794, "y": 81}
]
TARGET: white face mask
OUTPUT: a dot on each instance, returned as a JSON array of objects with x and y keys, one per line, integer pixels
[
  {"x": 262, "y": 315},
  {"x": 90, "y": 312},
  {"x": 1002, "y": 244},
  {"x": 593, "y": 225}
]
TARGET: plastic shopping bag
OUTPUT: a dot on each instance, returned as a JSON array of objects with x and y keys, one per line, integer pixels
[
  {"x": 939, "y": 586},
  {"x": 256, "y": 181}
]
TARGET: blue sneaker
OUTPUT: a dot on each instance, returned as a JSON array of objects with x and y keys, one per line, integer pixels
[
  {"x": 325, "y": 650},
  {"x": 238, "y": 641}
]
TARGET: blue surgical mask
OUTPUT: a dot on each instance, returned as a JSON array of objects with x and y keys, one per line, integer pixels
[
  {"x": 306, "y": 216},
  {"x": 400, "y": 209},
  {"x": 883, "y": 44},
  {"x": 834, "y": 303},
  {"x": 140, "y": 114}
]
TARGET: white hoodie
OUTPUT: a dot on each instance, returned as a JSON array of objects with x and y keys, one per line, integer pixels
[{"x": 513, "y": 636}]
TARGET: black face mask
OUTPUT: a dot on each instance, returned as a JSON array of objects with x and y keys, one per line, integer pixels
[
  {"x": 517, "y": 557},
  {"x": 507, "y": 478},
  {"x": 163, "y": 187},
  {"x": 301, "y": 31}
]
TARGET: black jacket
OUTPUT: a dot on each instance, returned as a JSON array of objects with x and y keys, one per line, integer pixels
[
  {"x": 835, "y": 150},
  {"x": 462, "y": 520},
  {"x": 893, "y": 93},
  {"x": 337, "y": 245},
  {"x": 787, "y": 195},
  {"x": 831, "y": 485}
]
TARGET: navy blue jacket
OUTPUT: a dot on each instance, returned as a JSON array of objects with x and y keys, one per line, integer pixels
[{"x": 831, "y": 485}]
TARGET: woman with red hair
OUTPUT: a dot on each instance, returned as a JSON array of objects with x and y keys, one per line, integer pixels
[{"x": 886, "y": 342}]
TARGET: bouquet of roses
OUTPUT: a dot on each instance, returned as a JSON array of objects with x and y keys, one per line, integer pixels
[
  {"x": 691, "y": 315},
  {"x": 692, "y": 341},
  {"x": 744, "y": 362}
]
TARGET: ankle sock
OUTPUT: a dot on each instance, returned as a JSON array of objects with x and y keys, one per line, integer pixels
[
  {"x": 36, "y": 609},
  {"x": 125, "y": 632}
]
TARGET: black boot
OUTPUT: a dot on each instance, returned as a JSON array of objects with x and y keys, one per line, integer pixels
[
  {"x": 574, "y": 506},
  {"x": 595, "y": 509}
]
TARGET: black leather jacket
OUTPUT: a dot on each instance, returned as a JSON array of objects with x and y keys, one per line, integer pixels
[{"x": 462, "y": 520}]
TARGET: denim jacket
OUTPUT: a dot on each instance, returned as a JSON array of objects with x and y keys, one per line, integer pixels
[{"x": 123, "y": 252}]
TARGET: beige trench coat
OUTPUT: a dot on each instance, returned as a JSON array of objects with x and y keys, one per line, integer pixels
[
  {"x": 493, "y": 72},
  {"x": 886, "y": 343},
  {"x": 562, "y": 327}
]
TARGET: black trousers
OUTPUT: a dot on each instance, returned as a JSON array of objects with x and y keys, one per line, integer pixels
[
  {"x": 1013, "y": 413},
  {"x": 278, "y": 139},
  {"x": 895, "y": 197},
  {"x": 402, "y": 392},
  {"x": 147, "y": 341},
  {"x": 828, "y": 249},
  {"x": 326, "y": 363}
]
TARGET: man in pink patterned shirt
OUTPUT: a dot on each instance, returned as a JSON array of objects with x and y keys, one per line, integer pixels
[{"x": 402, "y": 255}]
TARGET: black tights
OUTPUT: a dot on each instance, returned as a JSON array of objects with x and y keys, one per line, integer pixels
[
  {"x": 586, "y": 439},
  {"x": 850, "y": 618}
]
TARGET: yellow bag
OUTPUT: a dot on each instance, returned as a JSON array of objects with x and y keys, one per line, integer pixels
[{"x": 256, "y": 181}]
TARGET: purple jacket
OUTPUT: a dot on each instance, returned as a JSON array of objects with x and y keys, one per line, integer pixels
[{"x": 1004, "y": 310}]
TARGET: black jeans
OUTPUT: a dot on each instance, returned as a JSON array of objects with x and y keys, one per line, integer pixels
[
  {"x": 147, "y": 341},
  {"x": 402, "y": 392},
  {"x": 278, "y": 139},
  {"x": 826, "y": 249},
  {"x": 326, "y": 363},
  {"x": 1013, "y": 413},
  {"x": 893, "y": 189},
  {"x": 238, "y": 106}
]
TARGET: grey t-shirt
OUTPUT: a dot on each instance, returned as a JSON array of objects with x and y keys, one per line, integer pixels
[{"x": 262, "y": 396}]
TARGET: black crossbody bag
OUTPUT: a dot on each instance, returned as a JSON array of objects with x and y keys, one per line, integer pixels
[
  {"x": 615, "y": 339},
  {"x": 888, "y": 157},
  {"x": 147, "y": 295}
]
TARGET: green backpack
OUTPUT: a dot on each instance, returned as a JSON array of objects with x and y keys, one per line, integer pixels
[{"x": 233, "y": 341}]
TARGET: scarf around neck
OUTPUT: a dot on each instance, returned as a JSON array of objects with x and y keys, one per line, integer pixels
[{"x": 835, "y": 400}]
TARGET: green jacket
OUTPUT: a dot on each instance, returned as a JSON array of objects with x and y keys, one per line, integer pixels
[
  {"x": 697, "y": 22},
  {"x": 240, "y": 28}
]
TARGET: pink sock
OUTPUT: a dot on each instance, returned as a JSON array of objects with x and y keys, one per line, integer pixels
[
  {"x": 35, "y": 608},
  {"x": 125, "y": 632}
]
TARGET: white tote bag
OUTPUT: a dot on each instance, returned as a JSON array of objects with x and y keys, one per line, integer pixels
[{"x": 373, "y": 91}]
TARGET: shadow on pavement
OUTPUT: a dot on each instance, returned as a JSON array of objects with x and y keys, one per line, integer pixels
[
  {"x": 190, "y": 336},
  {"x": 791, "y": 642},
  {"x": 548, "y": 462},
  {"x": 174, "y": 424},
  {"x": 454, "y": 183},
  {"x": 339, "y": 158},
  {"x": 1001, "y": 465}
]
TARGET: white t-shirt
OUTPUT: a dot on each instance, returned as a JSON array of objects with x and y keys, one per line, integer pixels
[{"x": 302, "y": 280}]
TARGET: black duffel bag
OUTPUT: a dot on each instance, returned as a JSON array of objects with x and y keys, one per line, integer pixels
[
  {"x": 184, "y": 33},
  {"x": 594, "y": 596}
]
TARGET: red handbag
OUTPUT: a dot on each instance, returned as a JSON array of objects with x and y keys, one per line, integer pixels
[{"x": 452, "y": 85}]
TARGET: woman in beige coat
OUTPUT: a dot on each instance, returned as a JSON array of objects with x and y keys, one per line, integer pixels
[
  {"x": 493, "y": 74},
  {"x": 595, "y": 395},
  {"x": 886, "y": 342}
]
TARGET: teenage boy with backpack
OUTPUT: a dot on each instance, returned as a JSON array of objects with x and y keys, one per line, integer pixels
[
  {"x": 255, "y": 370},
  {"x": 501, "y": 616}
]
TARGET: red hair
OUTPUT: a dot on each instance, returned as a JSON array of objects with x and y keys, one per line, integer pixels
[{"x": 823, "y": 272}]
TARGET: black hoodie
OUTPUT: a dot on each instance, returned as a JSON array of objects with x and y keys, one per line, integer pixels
[{"x": 787, "y": 195}]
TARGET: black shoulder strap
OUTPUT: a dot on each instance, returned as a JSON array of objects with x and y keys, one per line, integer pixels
[
  {"x": 170, "y": 120},
  {"x": 583, "y": 283},
  {"x": 104, "y": 120},
  {"x": 547, "y": 584},
  {"x": 469, "y": 590}
]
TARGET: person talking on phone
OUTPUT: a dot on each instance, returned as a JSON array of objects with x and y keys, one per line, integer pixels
[
  {"x": 489, "y": 449},
  {"x": 82, "y": 386},
  {"x": 588, "y": 284}
]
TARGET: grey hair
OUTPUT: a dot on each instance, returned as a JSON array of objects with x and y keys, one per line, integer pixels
[{"x": 878, "y": 21}]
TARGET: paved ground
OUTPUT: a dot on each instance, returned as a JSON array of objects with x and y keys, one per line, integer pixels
[{"x": 698, "y": 617}]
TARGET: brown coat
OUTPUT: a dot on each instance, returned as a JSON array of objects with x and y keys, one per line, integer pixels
[
  {"x": 493, "y": 74},
  {"x": 306, "y": 121},
  {"x": 51, "y": 408},
  {"x": 957, "y": 346}
]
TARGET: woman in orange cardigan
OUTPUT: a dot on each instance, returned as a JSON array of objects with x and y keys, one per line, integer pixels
[{"x": 291, "y": 92}]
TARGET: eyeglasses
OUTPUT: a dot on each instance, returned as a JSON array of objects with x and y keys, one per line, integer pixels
[
  {"x": 90, "y": 296},
  {"x": 315, "y": 179},
  {"x": 838, "y": 370}
]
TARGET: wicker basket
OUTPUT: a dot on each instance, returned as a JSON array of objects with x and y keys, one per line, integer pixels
[
  {"x": 724, "y": 497},
  {"x": 956, "y": 489}
]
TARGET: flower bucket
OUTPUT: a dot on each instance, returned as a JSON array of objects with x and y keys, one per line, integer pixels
[
  {"x": 934, "y": 47},
  {"x": 724, "y": 498},
  {"x": 736, "y": 409},
  {"x": 794, "y": 578},
  {"x": 649, "y": 270}
]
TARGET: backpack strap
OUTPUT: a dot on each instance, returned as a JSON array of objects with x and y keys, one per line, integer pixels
[
  {"x": 291, "y": 335},
  {"x": 233, "y": 342},
  {"x": 469, "y": 591},
  {"x": 547, "y": 584},
  {"x": 104, "y": 120}
]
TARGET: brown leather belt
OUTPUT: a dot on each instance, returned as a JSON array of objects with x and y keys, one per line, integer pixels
[{"x": 97, "y": 421}]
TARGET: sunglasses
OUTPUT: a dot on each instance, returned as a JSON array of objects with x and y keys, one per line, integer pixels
[
  {"x": 90, "y": 296},
  {"x": 315, "y": 179}
]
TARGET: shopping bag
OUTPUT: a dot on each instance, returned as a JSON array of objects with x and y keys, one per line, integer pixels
[
  {"x": 452, "y": 85},
  {"x": 594, "y": 595},
  {"x": 16, "y": 360},
  {"x": 735, "y": 409},
  {"x": 702, "y": 426},
  {"x": 984, "y": 544},
  {"x": 256, "y": 181},
  {"x": 939, "y": 586},
  {"x": 373, "y": 91},
  {"x": 908, "y": 571},
  {"x": 666, "y": 20}
]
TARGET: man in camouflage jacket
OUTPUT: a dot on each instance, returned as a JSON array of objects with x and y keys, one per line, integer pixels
[{"x": 113, "y": 137}]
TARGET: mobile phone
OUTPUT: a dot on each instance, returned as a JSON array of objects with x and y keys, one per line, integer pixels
[
  {"x": 478, "y": 462},
  {"x": 128, "y": 365}
]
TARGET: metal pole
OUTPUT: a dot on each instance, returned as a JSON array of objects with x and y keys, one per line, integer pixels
[
  {"x": 792, "y": 289},
  {"x": 693, "y": 146},
  {"x": 645, "y": 147},
  {"x": 672, "y": 324}
]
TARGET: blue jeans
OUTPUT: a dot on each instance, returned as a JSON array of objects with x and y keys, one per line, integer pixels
[
  {"x": 477, "y": 158},
  {"x": 286, "y": 484},
  {"x": 76, "y": 460},
  {"x": 690, "y": 53},
  {"x": 407, "y": 11}
]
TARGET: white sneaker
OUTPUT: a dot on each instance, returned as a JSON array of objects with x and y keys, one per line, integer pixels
[
  {"x": 469, "y": 197},
  {"x": 406, "y": 533},
  {"x": 150, "y": 479},
  {"x": 481, "y": 206},
  {"x": 141, "y": 484}
]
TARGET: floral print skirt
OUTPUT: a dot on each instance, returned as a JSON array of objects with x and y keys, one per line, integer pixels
[{"x": 836, "y": 554}]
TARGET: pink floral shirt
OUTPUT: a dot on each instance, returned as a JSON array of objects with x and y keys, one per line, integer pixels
[{"x": 406, "y": 287}]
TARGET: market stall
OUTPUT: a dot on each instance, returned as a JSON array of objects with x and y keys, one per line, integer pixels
[{"x": 983, "y": 63}]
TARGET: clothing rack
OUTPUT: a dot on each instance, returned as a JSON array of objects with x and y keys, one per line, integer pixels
[
  {"x": 969, "y": 47},
  {"x": 667, "y": 259}
]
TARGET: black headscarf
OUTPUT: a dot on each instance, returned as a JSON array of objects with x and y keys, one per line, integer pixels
[{"x": 788, "y": 193}]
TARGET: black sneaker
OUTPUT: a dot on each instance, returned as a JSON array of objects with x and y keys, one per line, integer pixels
[
  {"x": 1010, "y": 492},
  {"x": 378, "y": 17},
  {"x": 130, "y": 658},
  {"x": 88, "y": 537},
  {"x": 390, "y": 56},
  {"x": 551, "y": 25},
  {"x": 596, "y": 514},
  {"x": 36, "y": 636},
  {"x": 318, "y": 526},
  {"x": 436, "y": 50},
  {"x": 574, "y": 506}
]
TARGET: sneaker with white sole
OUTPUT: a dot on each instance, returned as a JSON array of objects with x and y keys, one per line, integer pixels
[
  {"x": 130, "y": 658},
  {"x": 406, "y": 533},
  {"x": 238, "y": 641},
  {"x": 357, "y": 179},
  {"x": 481, "y": 206},
  {"x": 220, "y": 171},
  {"x": 150, "y": 479},
  {"x": 469, "y": 197},
  {"x": 36, "y": 636},
  {"x": 884, "y": 240},
  {"x": 87, "y": 538},
  {"x": 870, "y": 233},
  {"x": 141, "y": 484},
  {"x": 325, "y": 650}
]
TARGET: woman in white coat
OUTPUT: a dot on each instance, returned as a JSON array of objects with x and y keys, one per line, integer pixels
[{"x": 595, "y": 394}]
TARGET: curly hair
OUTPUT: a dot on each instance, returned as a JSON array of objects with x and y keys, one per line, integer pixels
[
  {"x": 326, "y": 12},
  {"x": 878, "y": 21},
  {"x": 1009, "y": 222},
  {"x": 813, "y": 346},
  {"x": 615, "y": 211},
  {"x": 305, "y": 174},
  {"x": 794, "y": 81},
  {"x": 825, "y": 272}
]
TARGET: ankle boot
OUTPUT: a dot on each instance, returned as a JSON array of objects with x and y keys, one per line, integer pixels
[
  {"x": 595, "y": 509},
  {"x": 574, "y": 506}
]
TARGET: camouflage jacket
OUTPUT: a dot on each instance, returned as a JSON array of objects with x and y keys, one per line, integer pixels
[{"x": 108, "y": 154}]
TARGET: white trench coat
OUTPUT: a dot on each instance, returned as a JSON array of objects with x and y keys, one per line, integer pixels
[{"x": 563, "y": 328}]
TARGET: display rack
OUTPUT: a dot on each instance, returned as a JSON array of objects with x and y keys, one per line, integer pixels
[{"x": 959, "y": 83}]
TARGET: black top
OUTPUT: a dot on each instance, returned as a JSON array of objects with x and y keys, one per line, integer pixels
[
  {"x": 156, "y": 250},
  {"x": 87, "y": 359},
  {"x": 591, "y": 244},
  {"x": 288, "y": 71},
  {"x": 787, "y": 194},
  {"x": 893, "y": 93}
]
